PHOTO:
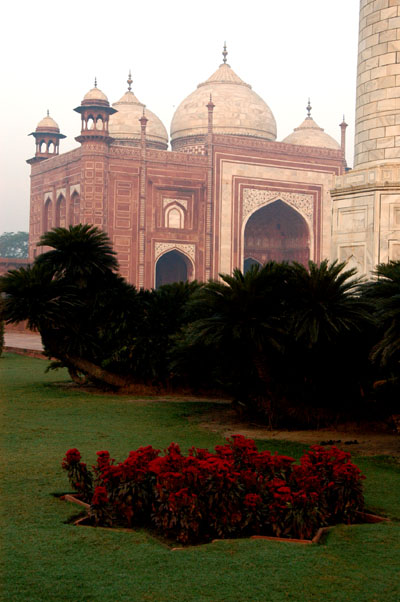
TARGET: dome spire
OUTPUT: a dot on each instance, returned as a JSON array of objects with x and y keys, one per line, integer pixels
[
  {"x": 129, "y": 81},
  {"x": 224, "y": 53},
  {"x": 309, "y": 107},
  {"x": 95, "y": 82}
]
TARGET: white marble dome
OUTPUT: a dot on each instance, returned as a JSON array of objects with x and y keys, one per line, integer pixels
[
  {"x": 124, "y": 125},
  {"x": 238, "y": 109},
  {"x": 310, "y": 134}
]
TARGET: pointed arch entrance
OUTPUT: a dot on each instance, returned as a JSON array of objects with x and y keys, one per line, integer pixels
[
  {"x": 173, "y": 266},
  {"x": 276, "y": 232}
]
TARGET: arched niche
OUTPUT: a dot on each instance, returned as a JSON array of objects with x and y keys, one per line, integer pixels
[
  {"x": 75, "y": 209},
  {"x": 277, "y": 232},
  {"x": 60, "y": 213},
  {"x": 47, "y": 215},
  {"x": 173, "y": 266}
]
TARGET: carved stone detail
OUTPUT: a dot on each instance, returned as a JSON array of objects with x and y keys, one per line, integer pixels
[
  {"x": 254, "y": 198},
  {"x": 162, "y": 247},
  {"x": 181, "y": 202}
]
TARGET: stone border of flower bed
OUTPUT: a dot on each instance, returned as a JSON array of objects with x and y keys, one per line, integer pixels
[{"x": 365, "y": 518}]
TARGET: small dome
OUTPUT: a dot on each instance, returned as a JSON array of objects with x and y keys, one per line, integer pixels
[
  {"x": 238, "y": 109},
  {"x": 47, "y": 124},
  {"x": 95, "y": 94},
  {"x": 124, "y": 125},
  {"x": 310, "y": 134}
]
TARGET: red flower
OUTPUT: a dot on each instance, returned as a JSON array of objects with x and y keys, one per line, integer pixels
[
  {"x": 252, "y": 500},
  {"x": 100, "y": 496},
  {"x": 72, "y": 456}
]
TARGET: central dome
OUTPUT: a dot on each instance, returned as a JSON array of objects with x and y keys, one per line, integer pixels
[{"x": 238, "y": 111}]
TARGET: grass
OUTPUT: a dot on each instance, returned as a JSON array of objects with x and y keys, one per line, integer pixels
[{"x": 43, "y": 558}]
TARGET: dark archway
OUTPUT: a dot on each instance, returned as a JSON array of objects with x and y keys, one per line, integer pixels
[
  {"x": 172, "y": 267},
  {"x": 276, "y": 232},
  {"x": 248, "y": 262}
]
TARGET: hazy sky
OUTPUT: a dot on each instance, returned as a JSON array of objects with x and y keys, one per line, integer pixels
[{"x": 52, "y": 51}]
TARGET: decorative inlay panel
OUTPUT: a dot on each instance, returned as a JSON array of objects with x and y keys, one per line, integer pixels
[
  {"x": 352, "y": 219},
  {"x": 254, "y": 198},
  {"x": 162, "y": 247},
  {"x": 354, "y": 255},
  {"x": 394, "y": 250}
]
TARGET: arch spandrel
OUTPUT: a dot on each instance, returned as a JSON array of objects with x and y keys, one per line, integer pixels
[{"x": 254, "y": 199}]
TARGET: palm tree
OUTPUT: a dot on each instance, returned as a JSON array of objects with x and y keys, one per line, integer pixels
[
  {"x": 243, "y": 320},
  {"x": 328, "y": 322},
  {"x": 384, "y": 293},
  {"x": 80, "y": 253},
  {"x": 67, "y": 296},
  {"x": 34, "y": 294},
  {"x": 326, "y": 303}
]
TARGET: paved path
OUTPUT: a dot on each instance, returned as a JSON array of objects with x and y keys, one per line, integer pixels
[{"x": 24, "y": 343}]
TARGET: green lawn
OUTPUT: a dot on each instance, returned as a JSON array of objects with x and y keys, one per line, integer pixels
[{"x": 43, "y": 558}]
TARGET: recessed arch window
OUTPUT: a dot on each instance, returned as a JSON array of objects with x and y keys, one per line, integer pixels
[{"x": 174, "y": 216}]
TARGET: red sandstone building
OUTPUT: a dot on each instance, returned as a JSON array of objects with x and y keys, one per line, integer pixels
[{"x": 226, "y": 195}]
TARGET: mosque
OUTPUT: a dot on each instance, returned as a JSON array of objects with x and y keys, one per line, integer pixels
[{"x": 221, "y": 192}]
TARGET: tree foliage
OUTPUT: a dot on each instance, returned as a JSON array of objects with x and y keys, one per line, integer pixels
[
  {"x": 292, "y": 344},
  {"x": 14, "y": 244}
]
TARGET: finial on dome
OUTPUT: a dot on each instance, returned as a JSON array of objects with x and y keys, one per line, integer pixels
[
  {"x": 129, "y": 81},
  {"x": 309, "y": 107},
  {"x": 224, "y": 53},
  {"x": 48, "y": 113},
  {"x": 95, "y": 82}
]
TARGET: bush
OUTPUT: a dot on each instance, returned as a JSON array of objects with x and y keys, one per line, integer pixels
[{"x": 235, "y": 491}]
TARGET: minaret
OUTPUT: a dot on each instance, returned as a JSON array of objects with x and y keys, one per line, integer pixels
[
  {"x": 343, "y": 127},
  {"x": 377, "y": 123},
  {"x": 366, "y": 200}
]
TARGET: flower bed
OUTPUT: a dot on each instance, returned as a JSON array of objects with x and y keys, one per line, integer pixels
[{"x": 236, "y": 491}]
